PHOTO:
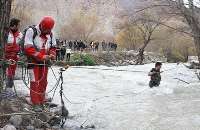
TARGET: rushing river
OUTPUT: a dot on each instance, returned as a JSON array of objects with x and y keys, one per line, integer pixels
[{"x": 122, "y": 100}]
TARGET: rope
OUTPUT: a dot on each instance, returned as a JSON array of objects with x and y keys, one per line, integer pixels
[
  {"x": 55, "y": 87},
  {"x": 80, "y": 67},
  {"x": 64, "y": 118},
  {"x": 53, "y": 73},
  {"x": 70, "y": 101},
  {"x": 55, "y": 90},
  {"x": 26, "y": 72},
  {"x": 26, "y": 84},
  {"x": 182, "y": 80},
  {"x": 94, "y": 68}
]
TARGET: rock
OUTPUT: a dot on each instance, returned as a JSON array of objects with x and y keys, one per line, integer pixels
[
  {"x": 56, "y": 127},
  {"x": 16, "y": 120},
  {"x": 76, "y": 128},
  {"x": 30, "y": 127},
  {"x": 65, "y": 112},
  {"x": 9, "y": 127},
  {"x": 90, "y": 126},
  {"x": 26, "y": 107},
  {"x": 57, "y": 110},
  {"x": 55, "y": 121},
  {"x": 39, "y": 124},
  {"x": 43, "y": 117},
  {"x": 51, "y": 105},
  {"x": 26, "y": 120}
]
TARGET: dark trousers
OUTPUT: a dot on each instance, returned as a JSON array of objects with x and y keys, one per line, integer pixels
[
  {"x": 58, "y": 56},
  {"x": 153, "y": 83},
  {"x": 62, "y": 56}
]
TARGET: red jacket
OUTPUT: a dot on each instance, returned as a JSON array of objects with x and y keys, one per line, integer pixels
[
  {"x": 40, "y": 46},
  {"x": 12, "y": 45}
]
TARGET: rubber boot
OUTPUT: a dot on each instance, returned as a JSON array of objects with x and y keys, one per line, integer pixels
[{"x": 9, "y": 82}]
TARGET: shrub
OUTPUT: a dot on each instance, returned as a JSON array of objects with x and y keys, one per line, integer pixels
[
  {"x": 88, "y": 60},
  {"x": 176, "y": 57},
  {"x": 82, "y": 59}
]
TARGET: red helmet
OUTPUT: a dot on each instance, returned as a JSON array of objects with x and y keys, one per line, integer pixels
[{"x": 47, "y": 23}]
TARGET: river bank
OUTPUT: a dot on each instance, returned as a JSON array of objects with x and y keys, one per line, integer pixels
[{"x": 112, "y": 58}]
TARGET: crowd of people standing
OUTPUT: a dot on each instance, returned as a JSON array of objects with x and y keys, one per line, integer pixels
[{"x": 65, "y": 48}]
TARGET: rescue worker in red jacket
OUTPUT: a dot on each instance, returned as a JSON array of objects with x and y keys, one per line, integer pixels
[
  {"x": 40, "y": 50},
  {"x": 11, "y": 50}
]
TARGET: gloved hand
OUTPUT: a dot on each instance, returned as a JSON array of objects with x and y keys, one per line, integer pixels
[
  {"x": 52, "y": 57},
  {"x": 46, "y": 58}
]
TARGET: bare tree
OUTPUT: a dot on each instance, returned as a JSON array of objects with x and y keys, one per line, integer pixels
[
  {"x": 147, "y": 28},
  {"x": 189, "y": 10},
  {"x": 5, "y": 9},
  {"x": 128, "y": 37},
  {"x": 191, "y": 14}
]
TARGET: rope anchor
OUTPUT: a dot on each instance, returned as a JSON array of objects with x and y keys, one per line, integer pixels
[{"x": 65, "y": 112}]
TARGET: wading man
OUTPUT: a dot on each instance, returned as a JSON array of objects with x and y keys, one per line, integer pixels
[{"x": 155, "y": 75}]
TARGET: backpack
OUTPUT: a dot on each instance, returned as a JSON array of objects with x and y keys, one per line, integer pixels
[{"x": 35, "y": 33}]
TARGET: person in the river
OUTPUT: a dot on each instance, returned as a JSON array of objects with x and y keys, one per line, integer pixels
[{"x": 155, "y": 75}]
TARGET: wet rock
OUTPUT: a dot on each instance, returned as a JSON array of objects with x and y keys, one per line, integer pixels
[
  {"x": 37, "y": 123},
  {"x": 9, "y": 127},
  {"x": 88, "y": 127},
  {"x": 16, "y": 120},
  {"x": 51, "y": 105},
  {"x": 26, "y": 120},
  {"x": 30, "y": 127},
  {"x": 40, "y": 124},
  {"x": 57, "y": 110},
  {"x": 65, "y": 112},
  {"x": 75, "y": 128},
  {"x": 54, "y": 121},
  {"x": 26, "y": 107},
  {"x": 56, "y": 127},
  {"x": 44, "y": 117}
]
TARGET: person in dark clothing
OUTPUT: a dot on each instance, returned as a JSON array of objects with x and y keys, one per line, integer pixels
[
  {"x": 58, "y": 53},
  {"x": 63, "y": 52},
  {"x": 115, "y": 47},
  {"x": 103, "y": 43},
  {"x": 82, "y": 45},
  {"x": 78, "y": 45},
  {"x": 155, "y": 75},
  {"x": 96, "y": 46},
  {"x": 109, "y": 47},
  {"x": 75, "y": 45},
  {"x": 70, "y": 44}
]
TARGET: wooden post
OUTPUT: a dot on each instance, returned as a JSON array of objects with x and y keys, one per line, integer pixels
[{"x": 5, "y": 9}]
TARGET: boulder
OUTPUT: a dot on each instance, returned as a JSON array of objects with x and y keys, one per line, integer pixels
[
  {"x": 16, "y": 120},
  {"x": 9, "y": 127}
]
